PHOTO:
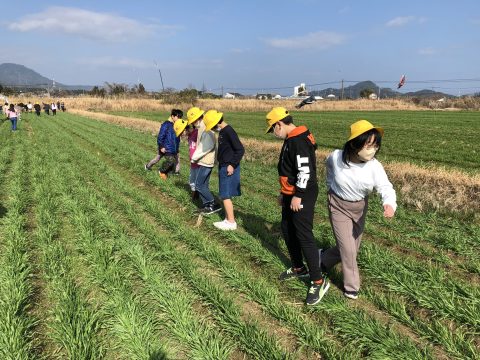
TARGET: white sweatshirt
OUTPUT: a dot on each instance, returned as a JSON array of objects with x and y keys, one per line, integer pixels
[
  {"x": 355, "y": 181},
  {"x": 204, "y": 154}
]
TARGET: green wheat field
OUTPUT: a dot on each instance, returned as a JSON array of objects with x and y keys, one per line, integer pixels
[{"x": 100, "y": 259}]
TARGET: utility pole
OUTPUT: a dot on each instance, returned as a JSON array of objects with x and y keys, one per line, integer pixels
[
  {"x": 341, "y": 96},
  {"x": 222, "y": 91}
]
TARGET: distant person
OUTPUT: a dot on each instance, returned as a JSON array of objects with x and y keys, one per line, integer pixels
[
  {"x": 13, "y": 115},
  {"x": 166, "y": 139},
  {"x": 29, "y": 107},
  {"x": 230, "y": 152},
  {"x": 62, "y": 106},
  {"x": 46, "y": 108},
  {"x": 204, "y": 158},
  {"x": 5, "y": 109},
  {"x": 58, "y": 105},
  {"x": 352, "y": 174},
  {"x": 54, "y": 108},
  {"x": 37, "y": 108},
  {"x": 297, "y": 173}
]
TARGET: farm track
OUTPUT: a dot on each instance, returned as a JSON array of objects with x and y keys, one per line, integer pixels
[{"x": 131, "y": 236}]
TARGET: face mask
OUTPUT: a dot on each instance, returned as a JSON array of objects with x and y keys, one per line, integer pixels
[{"x": 367, "y": 154}]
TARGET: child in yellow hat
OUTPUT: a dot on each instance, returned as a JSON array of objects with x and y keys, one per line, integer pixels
[{"x": 352, "y": 174}]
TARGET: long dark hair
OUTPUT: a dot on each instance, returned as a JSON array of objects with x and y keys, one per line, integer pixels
[{"x": 352, "y": 147}]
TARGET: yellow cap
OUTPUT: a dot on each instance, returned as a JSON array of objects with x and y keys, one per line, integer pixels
[
  {"x": 193, "y": 114},
  {"x": 211, "y": 119},
  {"x": 179, "y": 125},
  {"x": 275, "y": 115},
  {"x": 360, "y": 127}
]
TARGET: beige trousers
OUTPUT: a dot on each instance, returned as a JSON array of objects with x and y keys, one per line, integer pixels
[{"x": 348, "y": 220}]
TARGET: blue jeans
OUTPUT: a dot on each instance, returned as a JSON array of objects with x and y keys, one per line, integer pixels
[
  {"x": 202, "y": 184},
  {"x": 14, "y": 123},
  {"x": 193, "y": 176}
]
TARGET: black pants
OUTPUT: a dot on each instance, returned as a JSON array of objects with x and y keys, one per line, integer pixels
[{"x": 297, "y": 229}]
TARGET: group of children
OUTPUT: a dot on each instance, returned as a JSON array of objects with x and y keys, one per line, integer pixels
[
  {"x": 352, "y": 174},
  {"x": 203, "y": 151}
]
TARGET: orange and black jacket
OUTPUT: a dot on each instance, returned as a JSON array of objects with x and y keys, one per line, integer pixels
[{"x": 296, "y": 167}]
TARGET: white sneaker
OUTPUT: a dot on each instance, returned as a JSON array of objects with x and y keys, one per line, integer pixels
[{"x": 225, "y": 225}]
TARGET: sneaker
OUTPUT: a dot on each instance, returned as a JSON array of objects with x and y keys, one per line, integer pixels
[
  {"x": 317, "y": 291},
  {"x": 291, "y": 273},
  {"x": 211, "y": 209},
  {"x": 147, "y": 168},
  {"x": 351, "y": 294},
  {"x": 225, "y": 225},
  {"x": 163, "y": 176}
]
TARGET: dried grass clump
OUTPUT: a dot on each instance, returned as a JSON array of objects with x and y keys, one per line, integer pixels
[{"x": 424, "y": 188}]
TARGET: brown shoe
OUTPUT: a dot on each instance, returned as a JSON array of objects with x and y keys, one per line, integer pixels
[{"x": 195, "y": 195}]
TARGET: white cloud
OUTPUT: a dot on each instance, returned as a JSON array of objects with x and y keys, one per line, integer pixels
[
  {"x": 317, "y": 40},
  {"x": 118, "y": 62},
  {"x": 83, "y": 23},
  {"x": 404, "y": 20},
  {"x": 427, "y": 51}
]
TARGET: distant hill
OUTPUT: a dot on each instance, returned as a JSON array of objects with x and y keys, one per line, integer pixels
[
  {"x": 20, "y": 76},
  {"x": 353, "y": 92}
]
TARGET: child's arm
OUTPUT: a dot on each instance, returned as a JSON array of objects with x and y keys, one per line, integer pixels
[
  {"x": 162, "y": 134},
  {"x": 238, "y": 149},
  {"x": 385, "y": 188}
]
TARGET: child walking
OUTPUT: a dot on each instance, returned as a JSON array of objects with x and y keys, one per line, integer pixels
[
  {"x": 13, "y": 115},
  {"x": 352, "y": 174},
  {"x": 204, "y": 157},
  {"x": 299, "y": 190},
  {"x": 166, "y": 139},
  {"x": 230, "y": 152}
]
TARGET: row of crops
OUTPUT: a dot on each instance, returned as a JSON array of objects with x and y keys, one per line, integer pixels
[{"x": 100, "y": 259}]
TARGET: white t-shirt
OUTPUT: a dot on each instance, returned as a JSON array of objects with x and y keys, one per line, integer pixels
[{"x": 355, "y": 181}]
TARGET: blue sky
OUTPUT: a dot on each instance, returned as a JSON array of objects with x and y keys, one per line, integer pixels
[{"x": 248, "y": 46}]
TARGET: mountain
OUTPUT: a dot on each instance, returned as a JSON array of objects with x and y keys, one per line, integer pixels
[
  {"x": 353, "y": 92},
  {"x": 16, "y": 75}
]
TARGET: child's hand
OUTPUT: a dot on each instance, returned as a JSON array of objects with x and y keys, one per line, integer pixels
[
  {"x": 388, "y": 211},
  {"x": 230, "y": 170},
  {"x": 162, "y": 150},
  {"x": 296, "y": 204}
]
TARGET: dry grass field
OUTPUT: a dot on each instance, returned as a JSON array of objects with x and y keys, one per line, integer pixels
[{"x": 108, "y": 104}]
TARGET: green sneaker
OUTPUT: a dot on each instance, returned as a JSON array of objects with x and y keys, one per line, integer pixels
[{"x": 317, "y": 291}]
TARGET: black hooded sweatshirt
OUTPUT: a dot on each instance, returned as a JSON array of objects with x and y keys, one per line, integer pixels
[{"x": 297, "y": 168}]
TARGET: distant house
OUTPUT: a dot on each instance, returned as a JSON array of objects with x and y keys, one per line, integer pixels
[
  {"x": 229, "y": 95},
  {"x": 263, "y": 96},
  {"x": 373, "y": 96},
  {"x": 331, "y": 96},
  {"x": 277, "y": 97},
  {"x": 300, "y": 90}
]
